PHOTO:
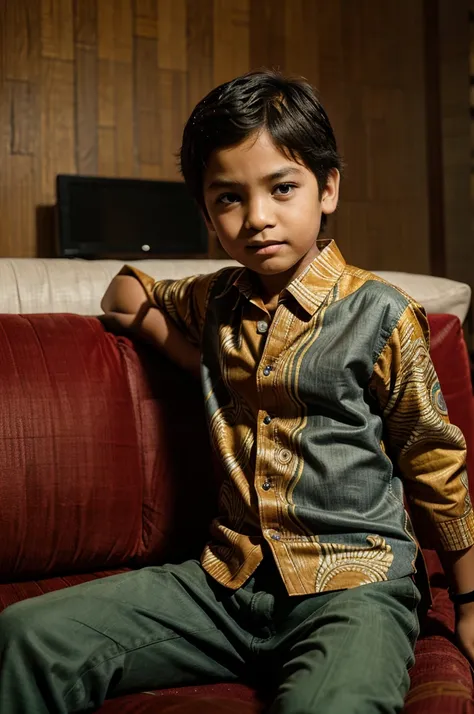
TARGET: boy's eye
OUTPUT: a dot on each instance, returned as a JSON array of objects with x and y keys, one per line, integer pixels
[
  {"x": 285, "y": 189},
  {"x": 228, "y": 198}
]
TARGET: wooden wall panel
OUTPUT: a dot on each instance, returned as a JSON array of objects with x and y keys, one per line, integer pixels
[
  {"x": 57, "y": 29},
  {"x": 200, "y": 18},
  {"x": 231, "y": 39},
  {"x": 22, "y": 113},
  {"x": 173, "y": 21},
  {"x": 20, "y": 46},
  {"x": 267, "y": 35},
  {"x": 173, "y": 115},
  {"x": 145, "y": 19},
  {"x": 456, "y": 145},
  {"x": 105, "y": 86},
  {"x": 301, "y": 19},
  {"x": 380, "y": 124},
  {"x": 57, "y": 120},
  {"x": 147, "y": 102},
  {"x": 85, "y": 23},
  {"x": 86, "y": 85},
  {"x": 106, "y": 155},
  {"x": 86, "y": 110}
]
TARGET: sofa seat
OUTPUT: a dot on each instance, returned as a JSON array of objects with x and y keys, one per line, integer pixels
[{"x": 205, "y": 699}]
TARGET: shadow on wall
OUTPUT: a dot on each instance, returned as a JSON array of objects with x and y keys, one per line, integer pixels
[{"x": 46, "y": 232}]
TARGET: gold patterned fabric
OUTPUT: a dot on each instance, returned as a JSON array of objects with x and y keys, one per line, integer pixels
[{"x": 322, "y": 418}]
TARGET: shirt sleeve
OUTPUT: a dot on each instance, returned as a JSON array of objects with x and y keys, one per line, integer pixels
[
  {"x": 184, "y": 301},
  {"x": 430, "y": 453}
]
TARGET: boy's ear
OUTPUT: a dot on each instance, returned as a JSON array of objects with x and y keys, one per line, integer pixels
[{"x": 330, "y": 195}]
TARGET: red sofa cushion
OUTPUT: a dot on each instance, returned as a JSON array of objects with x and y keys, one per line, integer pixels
[
  {"x": 451, "y": 360},
  {"x": 92, "y": 432}
]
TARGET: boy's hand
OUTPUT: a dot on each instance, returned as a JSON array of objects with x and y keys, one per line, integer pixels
[{"x": 465, "y": 630}]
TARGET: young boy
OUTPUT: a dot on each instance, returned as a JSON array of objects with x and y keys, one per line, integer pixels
[{"x": 322, "y": 404}]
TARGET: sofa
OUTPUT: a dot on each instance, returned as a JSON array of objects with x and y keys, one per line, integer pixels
[{"x": 94, "y": 478}]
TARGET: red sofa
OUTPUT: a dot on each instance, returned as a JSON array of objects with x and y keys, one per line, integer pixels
[{"x": 105, "y": 465}]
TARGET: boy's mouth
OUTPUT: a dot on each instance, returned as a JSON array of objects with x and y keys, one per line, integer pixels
[{"x": 265, "y": 247}]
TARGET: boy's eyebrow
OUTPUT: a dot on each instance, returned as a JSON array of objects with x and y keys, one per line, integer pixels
[{"x": 279, "y": 174}]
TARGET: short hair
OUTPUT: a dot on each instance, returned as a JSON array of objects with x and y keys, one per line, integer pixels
[{"x": 287, "y": 107}]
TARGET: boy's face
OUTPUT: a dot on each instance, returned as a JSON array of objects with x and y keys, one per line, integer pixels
[{"x": 265, "y": 208}]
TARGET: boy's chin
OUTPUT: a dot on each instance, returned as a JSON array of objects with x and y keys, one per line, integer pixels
[{"x": 272, "y": 266}]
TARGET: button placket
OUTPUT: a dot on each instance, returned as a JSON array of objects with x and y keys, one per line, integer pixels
[{"x": 264, "y": 484}]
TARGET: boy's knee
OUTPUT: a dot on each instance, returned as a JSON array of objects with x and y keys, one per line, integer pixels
[{"x": 22, "y": 621}]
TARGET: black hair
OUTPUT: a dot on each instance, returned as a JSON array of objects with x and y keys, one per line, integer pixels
[{"x": 287, "y": 107}]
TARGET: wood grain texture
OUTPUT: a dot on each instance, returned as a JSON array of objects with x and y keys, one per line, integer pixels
[
  {"x": 57, "y": 29},
  {"x": 106, "y": 93},
  {"x": 199, "y": 50},
  {"x": 22, "y": 118},
  {"x": 85, "y": 22},
  {"x": 145, "y": 19},
  {"x": 115, "y": 30},
  {"x": 267, "y": 35},
  {"x": 124, "y": 120},
  {"x": 86, "y": 106},
  {"x": 105, "y": 86},
  {"x": 231, "y": 39},
  {"x": 57, "y": 120},
  {"x": 106, "y": 153},
  {"x": 301, "y": 38},
  {"x": 173, "y": 24},
  {"x": 172, "y": 117},
  {"x": 20, "y": 39},
  {"x": 147, "y": 102},
  {"x": 456, "y": 140}
]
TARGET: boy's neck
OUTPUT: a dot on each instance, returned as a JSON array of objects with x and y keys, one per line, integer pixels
[{"x": 271, "y": 286}]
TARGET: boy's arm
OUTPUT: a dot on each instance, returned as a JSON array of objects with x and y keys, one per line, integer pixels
[
  {"x": 431, "y": 456},
  {"x": 459, "y": 566},
  {"x": 126, "y": 304}
]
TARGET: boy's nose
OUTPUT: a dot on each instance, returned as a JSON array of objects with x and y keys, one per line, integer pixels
[{"x": 259, "y": 216}]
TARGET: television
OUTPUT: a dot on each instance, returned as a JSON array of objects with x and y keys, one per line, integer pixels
[{"x": 127, "y": 218}]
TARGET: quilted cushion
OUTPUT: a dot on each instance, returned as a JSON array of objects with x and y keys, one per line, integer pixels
[{"x": 91, "y": 435}]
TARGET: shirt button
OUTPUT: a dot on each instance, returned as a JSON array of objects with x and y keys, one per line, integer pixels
[
  {"x": 267, "y": 419},
  {"x": 262, "y": 327},
  {"x": 266, "y": 485},
  {"x": 267, "y": 370}
]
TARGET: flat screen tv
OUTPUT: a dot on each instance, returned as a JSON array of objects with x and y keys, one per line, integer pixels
[{"x": 113, "y": 217}]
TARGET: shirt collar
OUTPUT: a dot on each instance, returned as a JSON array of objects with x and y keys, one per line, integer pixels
[{"x": 309, "y": 289}]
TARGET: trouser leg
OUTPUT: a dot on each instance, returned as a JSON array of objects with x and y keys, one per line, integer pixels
[
  {"x": 66, "y": 651},
  {"x": 351, "y": 654}
]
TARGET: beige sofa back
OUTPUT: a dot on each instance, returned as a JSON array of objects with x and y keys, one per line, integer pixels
[{"x": 35, "y": 285}]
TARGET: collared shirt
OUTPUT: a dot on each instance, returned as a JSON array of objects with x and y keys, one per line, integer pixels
[{"x": 323, "y": 418}]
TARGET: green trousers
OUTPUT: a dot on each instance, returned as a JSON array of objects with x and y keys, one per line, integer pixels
[{"x": 344, "y": 652}]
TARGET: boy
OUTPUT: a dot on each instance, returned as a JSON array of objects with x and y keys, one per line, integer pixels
[{"x": 321, "y": 399}]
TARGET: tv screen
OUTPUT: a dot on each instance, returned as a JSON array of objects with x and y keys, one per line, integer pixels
[{"x": 109, "y": 217}]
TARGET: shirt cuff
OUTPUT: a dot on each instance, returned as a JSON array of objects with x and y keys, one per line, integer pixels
[{"x": 457, "y": 534}]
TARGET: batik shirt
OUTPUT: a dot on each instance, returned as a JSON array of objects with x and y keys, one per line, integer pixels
[{"x": 323, "y": 419}]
